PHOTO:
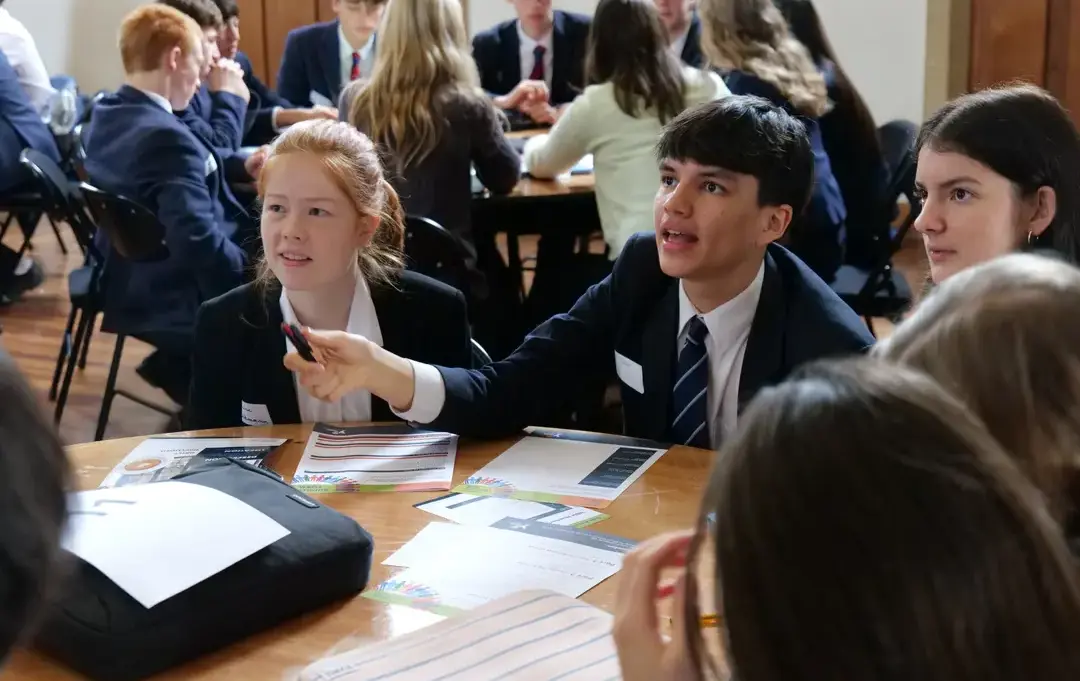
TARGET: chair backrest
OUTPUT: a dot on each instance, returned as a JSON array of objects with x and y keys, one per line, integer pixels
[
  {"x": 134, "y": 232},
  {"x": 431, "y": 250},
  {"x": 480, "y": 356},
  {"x": 897, "y": 149},
  {"x": 63, "y": 201},
  {"x": 78, "y": 152}
]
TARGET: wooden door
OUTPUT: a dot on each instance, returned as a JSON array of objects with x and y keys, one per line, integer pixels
[
  {"x": 253, "y": 35},
  {"x": 1008, "y": 41}
]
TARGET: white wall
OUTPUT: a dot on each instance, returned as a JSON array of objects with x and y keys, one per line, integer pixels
[
  {"x": 77, "y": 37},
  {"x": 881, "y": 44}
]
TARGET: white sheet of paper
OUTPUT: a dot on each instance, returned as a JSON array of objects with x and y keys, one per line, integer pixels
[
  {"x": 155, "y": 541},
  {"x": 390, "y": 458},
  {"x": 319, "y": 99},
  {"x": 476, "y": 564},
  {"x": 470, "y": 509},
  {"x": 160, "y": 458},
  {"x": 561, "y": 469}
]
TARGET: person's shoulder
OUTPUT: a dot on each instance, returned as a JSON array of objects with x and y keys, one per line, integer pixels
[
  {"x": 230, "y": 308},
  {"x": 244, "y": 61},
  {"x": 493, "y": 34},
  {"x": 813, "y": 304},
  {"x": 703, "y": 85},
  {"x": 639, "y": 261},
  {"x": 423, "y": 288},
  {"x": 574, "y": 20},
  {"x": 312, "y": 32}
]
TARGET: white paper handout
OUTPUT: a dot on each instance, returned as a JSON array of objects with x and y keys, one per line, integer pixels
[
  {"x": 470, "y": 509},
  {"x": 155, "y": 541},
  {"x": 529, "y": 636},
  {"x": 162, "y": 458},
  {"x": 576, "y": 469},
  {"x": 392, "y": 458},
  {"x": 458, "y": 567}
]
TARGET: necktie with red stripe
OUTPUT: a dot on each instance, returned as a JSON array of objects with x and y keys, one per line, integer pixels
[
  {"x": 355, "y": 66},
  {"x": 538, "y": 65}
]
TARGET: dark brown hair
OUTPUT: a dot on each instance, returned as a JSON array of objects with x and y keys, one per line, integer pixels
[
  {"x": 228, "y": 8},
  {"x": 867, "y": 527},
  {"x": 350, "y": 159},
  {"x": 1004, "y": 337},
  {"x": 1023, "y": 134},
  {"x": 204, "y": 12},
  {"x": 34, "y": 471},
  {"x": 628, "y": 47}
]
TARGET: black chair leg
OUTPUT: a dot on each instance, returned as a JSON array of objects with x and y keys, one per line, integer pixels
[
  {"x": 7, "y": 223},
  {"x": 59, "y": 239},
  {"x": 86, "y": 342},
  {"x": 67, "y": 345},
  {"x": 69, "y": 372},
  {"x": 110, "y": 390}
]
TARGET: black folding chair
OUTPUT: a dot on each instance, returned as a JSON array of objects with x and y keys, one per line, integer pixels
[
  {"x": 433, "y": 251},
  {"x": 63, "y": 202},
  {"x": 880, "y": 290},
  {"x": 135, "y": 234}
]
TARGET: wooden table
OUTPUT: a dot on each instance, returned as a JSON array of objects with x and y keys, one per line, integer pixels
[
  {"x": 533, "y": 188},
  {"x": 666, "y": 497}
]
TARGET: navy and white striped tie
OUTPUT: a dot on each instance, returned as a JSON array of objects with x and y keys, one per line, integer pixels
[{"x": 691, "y": 392}]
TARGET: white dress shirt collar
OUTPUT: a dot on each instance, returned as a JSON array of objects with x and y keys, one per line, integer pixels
[
  {"x": 367, "y": 56},
  {"x": 363, "y": 321},
  {"x": 528, "y": 46},
  {"x": 729, "y": 330},
  {"x": 679, "y": 43},
  {"x": 156, "y": 98}
]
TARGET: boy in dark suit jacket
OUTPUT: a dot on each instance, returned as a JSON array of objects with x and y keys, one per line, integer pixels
[
  {"x": 696, "y": 317},
  {"x": 138, "y": 148},
  {"x": 275, "y": 113},
  {"x": 684, "y": 30},
  {"x": 321, "y": 59},
  {"x": 541, "y": 45}
]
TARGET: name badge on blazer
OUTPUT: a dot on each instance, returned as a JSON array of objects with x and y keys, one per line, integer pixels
[
  {"x": 629, "y": 373},
  {"x": 255, "y": 414},
  {"x": 211, "y": 165}
]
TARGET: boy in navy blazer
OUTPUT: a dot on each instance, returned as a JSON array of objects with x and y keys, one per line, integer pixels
[
  {"x": 138, "y": 148},
  {"x": 20, "y": 128},
  {"x": 684, "y": 30},
  {"x": 541, "y": 45},
  {"x": 274, "y": 112},
  {"x": 696, "y": 317},
  {"x": 321, "y": 59}
]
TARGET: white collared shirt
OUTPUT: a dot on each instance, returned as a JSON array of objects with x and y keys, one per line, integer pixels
[
  {"x": 160, "y": 100},
  {"x": 363, "y": 321},
  {"x": 679, "y": 43},
  {"x": 367, "y": 57},
  {"x": 528, "y": 59},
  {"x": 729, "y": 330},
  {"x": 20, "y": 49}
]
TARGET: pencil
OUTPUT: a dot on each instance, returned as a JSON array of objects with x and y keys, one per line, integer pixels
[{"x": 709, "y": 621}]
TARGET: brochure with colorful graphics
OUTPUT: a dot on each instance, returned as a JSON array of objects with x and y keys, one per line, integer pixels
[
  {"x": 157, "y": 459},
  {"x": 470, "y": 509},
  {"x": 575, "y": 469},
  {"x": 390, "y": 458}
]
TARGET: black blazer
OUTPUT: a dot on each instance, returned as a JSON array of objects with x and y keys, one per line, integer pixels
[
  {"x": 497, "y": 52},
  {"x": 634, "y": 312},
  {"x": 691, "y": 51},
  {"x": 261, "y": 128},
  {"x": 239, "y": 347}
]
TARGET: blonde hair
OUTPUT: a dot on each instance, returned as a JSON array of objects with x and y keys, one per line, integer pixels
[
  {"x": 151, "y": 31},
  {"x": 422, "y": 56},
  {"x": 1004, "y": 336},
  {"x": 753, "y": 36},
  {"x": 351, "y": 161}
]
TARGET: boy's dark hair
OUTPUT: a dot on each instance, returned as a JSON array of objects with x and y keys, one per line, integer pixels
[
  {"x": 33, "y": 505},
  {"x": 204, "y": 12},
  {"x": 747, "y": 135},
  {"x": 228, "y": 8}
]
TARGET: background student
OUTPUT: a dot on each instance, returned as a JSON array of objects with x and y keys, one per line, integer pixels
[
  {"x": 22, "y": 54},
  {"x": 997, "y": 173},
  {"x": 321, "y": 59},
  {"x": 275, "y": 113},
  {"x": 218, "y": 112},
  {"x": 866, "y": 527},
  {"x": 750, "y": 39},
  {"x": 21, "y": 127},
  {"x": 851, "y": 141},
  {"x": 635, "y": 86},
  {"x": 332, "y": 230},
  {"x": 137, "y": 148},
  {"x": 682, "y": 29},
  {"x": 424, "y": 107},
  {"x": 541, "y": 45},
  {"x": 1003, "y": 336},
  {"x": 35, "y": 475},
  {"x": 697, "y": 316}
]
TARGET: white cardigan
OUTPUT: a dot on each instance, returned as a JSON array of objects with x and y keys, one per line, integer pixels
[{"x": 623, "y": 149}]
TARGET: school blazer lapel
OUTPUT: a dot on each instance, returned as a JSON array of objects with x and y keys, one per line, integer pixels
[
  {"x": 658, "y": 362},
  {"x": 330, "y": 55},
  {"x": 275, "y": 384},
  {"x": 561, "y": 67},
  {"x": 764, "y": 357},
  {"x": 510, "y": 60}
]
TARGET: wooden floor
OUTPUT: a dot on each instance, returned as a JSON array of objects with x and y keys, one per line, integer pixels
[{"x": 33, "y": 328}]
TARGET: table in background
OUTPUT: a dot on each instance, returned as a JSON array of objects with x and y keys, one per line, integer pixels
[{"x": 664, "y": 498}]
